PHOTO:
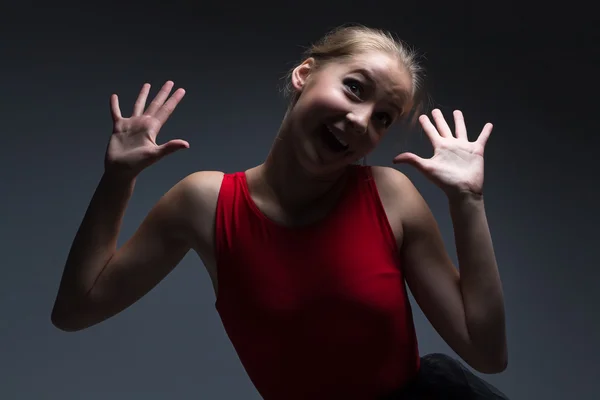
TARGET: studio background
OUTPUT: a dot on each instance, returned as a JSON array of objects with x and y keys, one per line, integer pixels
[{"x": 528, "y": 70}]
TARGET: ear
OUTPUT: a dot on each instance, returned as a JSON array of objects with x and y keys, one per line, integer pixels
[{"x": 301, "y": 73}]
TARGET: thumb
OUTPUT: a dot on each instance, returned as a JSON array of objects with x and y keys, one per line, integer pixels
[
  {"x": 171, "y": 147},
  {"x": 410, "y": 159}
]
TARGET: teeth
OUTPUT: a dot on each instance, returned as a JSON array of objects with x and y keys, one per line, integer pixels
[{"x": 337, "y": 137}]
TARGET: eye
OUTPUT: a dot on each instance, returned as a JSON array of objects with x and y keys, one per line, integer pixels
[
  {"x": 354, "y": 86},
  {"x": 385, "y": 118}
]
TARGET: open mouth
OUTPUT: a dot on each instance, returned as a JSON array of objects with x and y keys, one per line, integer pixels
[{"x": 333, "y": 141}]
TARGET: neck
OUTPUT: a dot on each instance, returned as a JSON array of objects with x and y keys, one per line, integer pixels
[{"x": 294, "y": 187}]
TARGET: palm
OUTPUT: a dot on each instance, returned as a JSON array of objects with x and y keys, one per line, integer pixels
[
  {"x": 133, "y": 142},
  {"x": 457, "y": 164},
  {"x": 461, "y": 163},
  {"x": 135, "y": 134}
]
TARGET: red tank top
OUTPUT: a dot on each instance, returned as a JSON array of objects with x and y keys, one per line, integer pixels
[{"x": 320, "y": 311}]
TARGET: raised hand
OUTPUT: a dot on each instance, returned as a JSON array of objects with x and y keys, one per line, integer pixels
[
  {"x": 132, "y": 146},
  {"x": 457, "y": 163}
]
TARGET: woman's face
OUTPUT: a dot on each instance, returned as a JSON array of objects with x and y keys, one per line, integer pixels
[{"x": 345, "y": 108}]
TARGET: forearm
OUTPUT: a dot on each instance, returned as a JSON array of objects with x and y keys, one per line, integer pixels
[
  {"x": 96, "y": 239},
  {"x": 479, "y": 277}
]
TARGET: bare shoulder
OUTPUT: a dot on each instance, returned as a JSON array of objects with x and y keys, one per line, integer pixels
[
  {"x": 402, "y": 201},
  {"x": 195, "y": 198},
  {"x": 390, "y": 181},
  {"x": 192, "y": 195},
  {"x": 200, "y": 189},
  {"x": 396, "y": 189}
]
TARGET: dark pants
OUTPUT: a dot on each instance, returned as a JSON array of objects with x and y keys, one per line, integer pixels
[{"x": 443, "y": 378}]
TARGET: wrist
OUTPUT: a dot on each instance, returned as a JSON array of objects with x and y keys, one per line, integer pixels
[
  {"x": 462, "y": 196},
  {"x": 118, "y": 179}
]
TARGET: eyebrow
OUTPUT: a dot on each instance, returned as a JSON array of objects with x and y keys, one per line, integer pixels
[
  {"x": 369, "y": 76},
  {"x": 366, "y": 73}
]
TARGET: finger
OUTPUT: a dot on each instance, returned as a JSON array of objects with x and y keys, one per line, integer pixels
[
  {"x": 485, "y": 134},
  {"x": 429, "y": 129},
  {"x": 410, "y": 159},
  {"x": 160, "y": 98},
  {"x": 114, "y": 108},
  {"x": 441, "y": 124},
  {"x": 140, "y": 103},
  {"x": 459, "y": 125},
  {"x": 167, "y": 109},
  {"x": 171, "y": 147}
]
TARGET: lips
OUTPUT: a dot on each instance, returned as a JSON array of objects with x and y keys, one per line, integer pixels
[
  {"x": 332, "y": 139},
  {"x": 338, "y": 138}
]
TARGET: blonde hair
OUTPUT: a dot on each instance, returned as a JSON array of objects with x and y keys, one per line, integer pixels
[{"x": 347, "y": 41}]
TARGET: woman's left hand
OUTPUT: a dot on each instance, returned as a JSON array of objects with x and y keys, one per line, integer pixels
[{"x": 457, "y": 164}]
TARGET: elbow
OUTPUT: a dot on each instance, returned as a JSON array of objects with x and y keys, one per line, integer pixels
[
  {"x": 492, "y": 368},
  {"x": 66, "y": 327},
  {"x": 501, "y": 364},
  {"x": 63, "y": 323},
  {"x": 492, "y": 365},
  {"x": 66, "y": 320}
]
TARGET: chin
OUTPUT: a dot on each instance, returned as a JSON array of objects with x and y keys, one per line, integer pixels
[{"x": 316, "y": 164}]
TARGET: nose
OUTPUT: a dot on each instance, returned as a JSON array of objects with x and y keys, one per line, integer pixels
[{"x": 359, "y": 121}]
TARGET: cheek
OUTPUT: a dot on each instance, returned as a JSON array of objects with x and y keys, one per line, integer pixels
[
  {"x": 327, "y": 100},
  {"x": 335, "y": 100}
]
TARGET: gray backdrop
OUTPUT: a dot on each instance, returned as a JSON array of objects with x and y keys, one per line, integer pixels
[{"x": 528, "y": 72}]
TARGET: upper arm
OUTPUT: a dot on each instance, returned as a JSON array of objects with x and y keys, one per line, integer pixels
[
  {"x": 163, "y": 238},
  {"x": 430, "y": 274}
]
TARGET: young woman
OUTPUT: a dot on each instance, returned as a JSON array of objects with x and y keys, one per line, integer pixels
[{"x": 309, "y": 252}]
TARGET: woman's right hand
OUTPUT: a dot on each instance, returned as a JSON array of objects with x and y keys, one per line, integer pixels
[{"x": 132, "y": 146}]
